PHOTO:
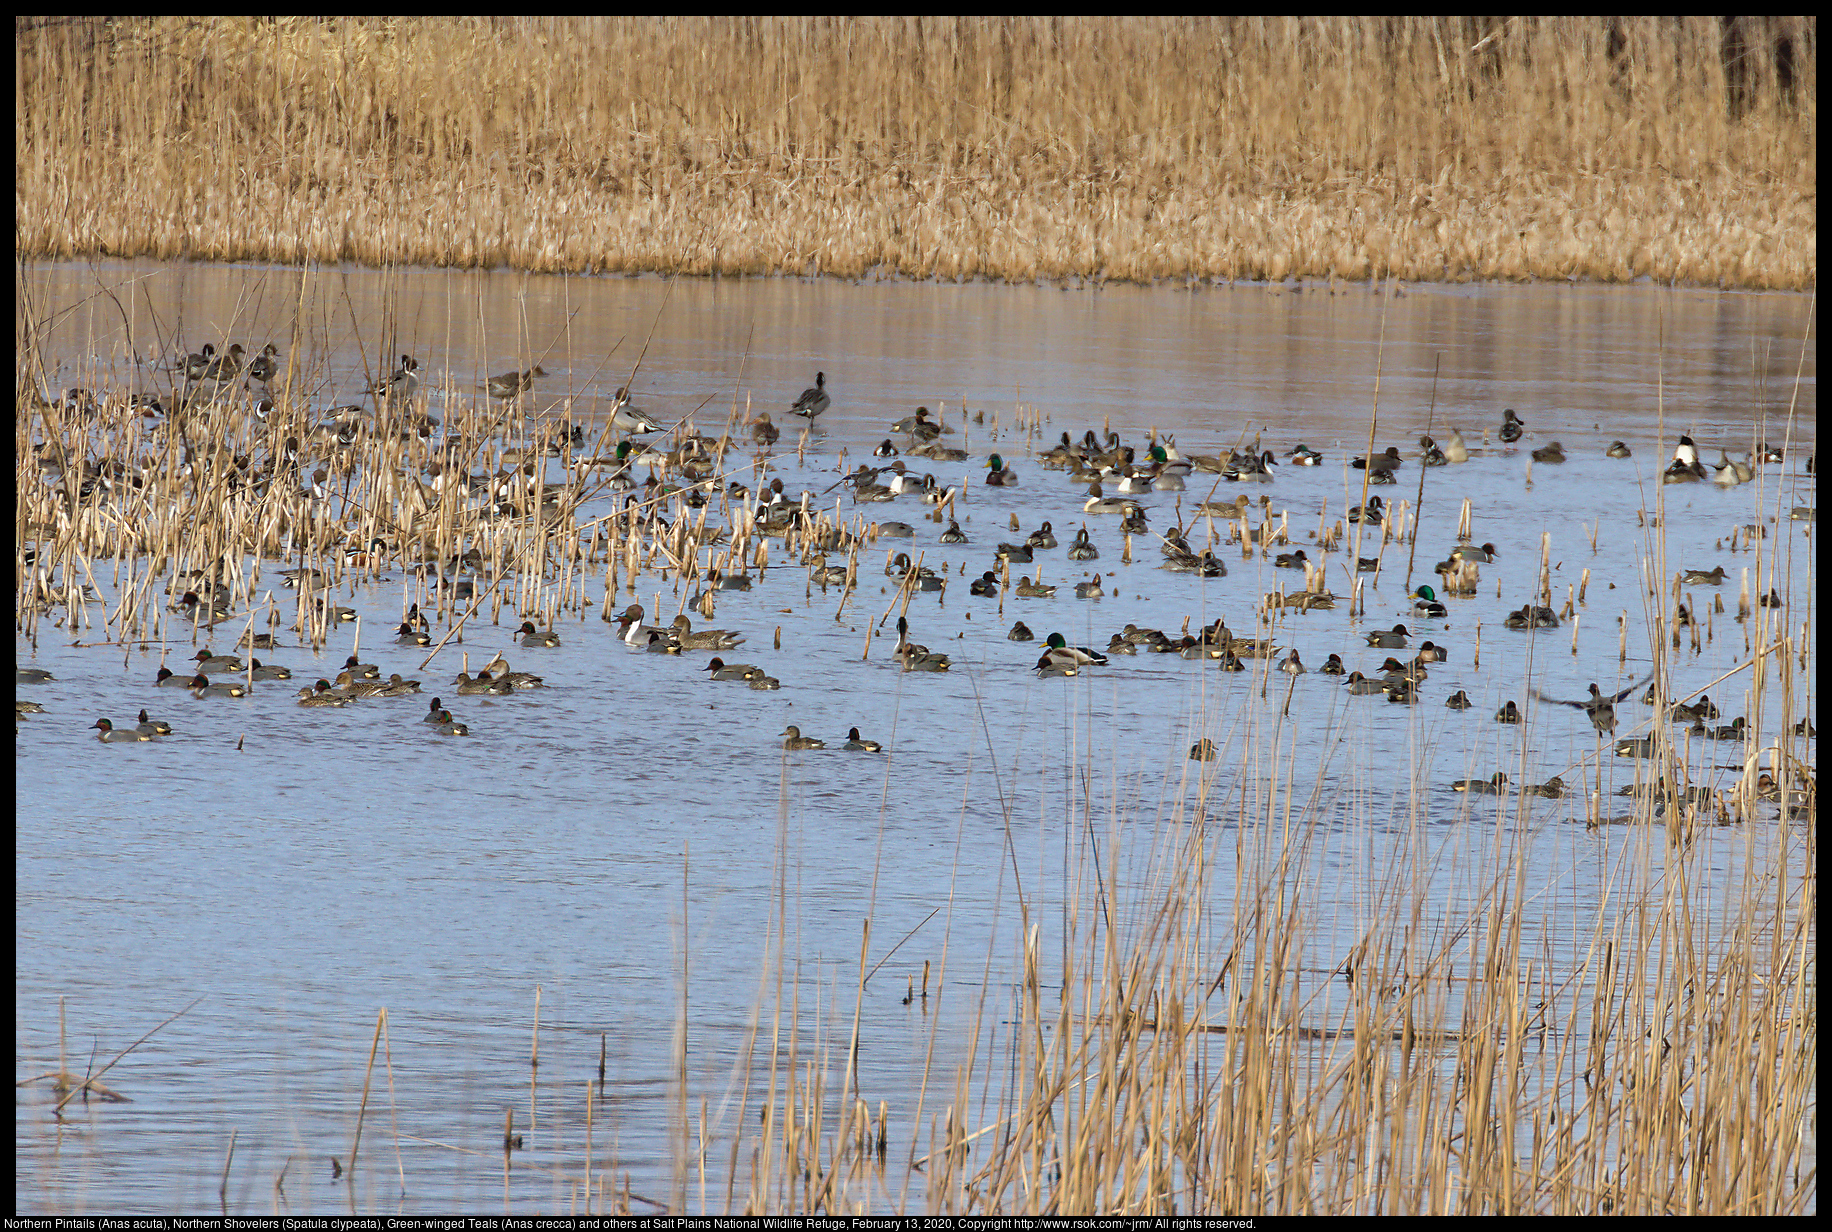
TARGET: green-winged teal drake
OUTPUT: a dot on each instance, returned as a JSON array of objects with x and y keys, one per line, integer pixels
[
  {"x": 108, "y": 735},
  {"x": 153, "y": 727},
  {"x": 1332, "y": 666},
  {"x": 1496, "y": 786},
  {"x": 1509, "y": 712},
  {"x": 1361, "y": 686},
  {"x": 201, "y": 687},
  {"x": 1459, "y": 701},
  {"x": 858, "y": 745},
  {"x": 721, "y": 670},
  {"x": 207, "y": 662},
  {"x": 1389, "y": 639},
  {"x": 532, "y": 637}
]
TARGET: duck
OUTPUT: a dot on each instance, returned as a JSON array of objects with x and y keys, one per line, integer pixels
[
  {"x": 1425, "y": 603},
  {"x": 1552, "y": 454},
  {"x": 201, "y": 687},
  {"x": 1090, "y": 589},
  {"x": 197, "y": 364},
  {"x": 1529, "y": 616},
  {"x": 1028, "y": 589},
  {"x": 401, "y": 383},
  {"x": 1097, "y": 502},
  {"x": 433, "y": 709},
  {"x": 36, "y": 675},
  {"x": 513, "y": 384},
  {"x": 482, "y": 684},
  {"x": 1082, "y": 549},
  {"x": 1360, "y": 686},
  {"x": 1020, "y": 632},
  {"x": 1459, "y": 701},
  {"x": 1402, "y": 692},
  {"x": 1304, "y": 455},
  {"x": 1332, "y": 666},
  {"x": 954, "y": 533},
  {"x": 1699, "y": 577},
  {"x": 1509, "y": 712},
  {"x": 1600, "y": 707},
  {"x": 1389, "y": 639},
  {"x": 448, "y": 726},
  {"x": 1014, "y": 553},
  {"x": 763, "y": 432},
  {"x": 407, "y": 635},
  {"x": 631, "y": 419},
  {"x": 1431, "y": 652},
  {"x": 858, "y": 745},
  {"x": 1231, "y": 662},
  {"x": 1496, "y": 786},
  {"x": 499, "y": 667},
  {"x": 722, "y": 671},
  {"x": 984, "y": 586},
  {"x": 108, "y": 735},
  {"x": 1737, "y": 729},
  {"x": 885, "y": 449},
  {"x": 812, "y": 404},
  {"x": 999, "y": 475},
  {"x": 207, "y": 662},
  {"x": 1512, "y": 426},
  {"x": 1387, "y": 461},
  {"x": 1685, "y": 467},
  {"x": 1481, "y": 556},
  {"x": 1291, "y": 560},
  {"x": 1552, "y": 789},
  {"x": 704, "y": 639},
  {"x": 1132, "y": 521},
  {"x": 1043, "y": 537},
  {"x": 792, "y": 737},
  {"x": 1703, "y": 708},
  {"x": 1643, "y": 746},
  {"x": 918, "y": 425},
  {"x": 1047, "y": 667},
  {"x": 1455, "y": 451},
  {"x": 1433, "y": 456},
  {"x": 762, "y": 682},
  {"x": 1617, "y": 450},
  {"x": 322, "y": 695},
  {"x": 1059, "y": 651},
  {"x": 159, "y": 727},
  {"x": 631, "y": 629},
  {"x": 1203, "y": 750},
  {"x": 531, "y": 637},
  {"x": 262, "y": 671},
  {"x": 168, "y": 679},
  {"x": 1291, "y": 665}
]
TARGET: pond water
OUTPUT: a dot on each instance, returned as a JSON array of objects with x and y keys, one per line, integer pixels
[{"x": 630, "y": 848}]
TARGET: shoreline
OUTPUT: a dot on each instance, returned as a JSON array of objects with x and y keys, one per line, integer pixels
[{"x": 1109, "y": 150}]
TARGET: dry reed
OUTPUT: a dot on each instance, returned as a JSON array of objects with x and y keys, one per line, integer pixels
[{"x": 1448, "y": 148}]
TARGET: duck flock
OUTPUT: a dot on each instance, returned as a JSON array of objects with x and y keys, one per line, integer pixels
[{"x": 229, "y": 475}]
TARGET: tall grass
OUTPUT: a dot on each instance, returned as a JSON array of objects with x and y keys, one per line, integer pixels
[{"x": 1431, "y": 148}]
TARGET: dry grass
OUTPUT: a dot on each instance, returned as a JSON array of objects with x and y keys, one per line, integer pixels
[{"x": 1442, "y": 148}]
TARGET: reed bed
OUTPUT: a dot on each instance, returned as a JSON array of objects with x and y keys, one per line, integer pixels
[{"x": 1451, "y": 148}]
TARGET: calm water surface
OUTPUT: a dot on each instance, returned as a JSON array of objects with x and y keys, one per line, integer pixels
[{"x": 632, "y": 842}]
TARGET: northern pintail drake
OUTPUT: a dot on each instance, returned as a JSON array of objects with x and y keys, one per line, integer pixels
[
  {"x": 1496, "y": 786},
  {"x": 1081, "y": 549},
  {"x": 792, "y": 739},
  {"x": 1099, "y": 503},
  {"x": 530, "y": 636},
  {"x": 1685, "y": 467},
  {"x": 1617, "y": 450},
  {"x": 814, "y": 400},
  {"x": 499, "y": 668},
  {"x": 201, "y": 687},
  {"x": 1512, "y": 426},
  {"x": 155, "y": 727},
  {"x": 402, "y": 382},
  {"x": 1389, "y": 639},
  {"x": 1291, "y": 664},
  {"x": 704, "y": 639},
  {"x": 108, "y": 735},
  {"x": 858, "y": 745},
  {"x": 630, "y": 627}
]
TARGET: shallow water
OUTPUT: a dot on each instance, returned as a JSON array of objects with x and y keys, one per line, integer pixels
[{"x": 634, "y": 823}]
